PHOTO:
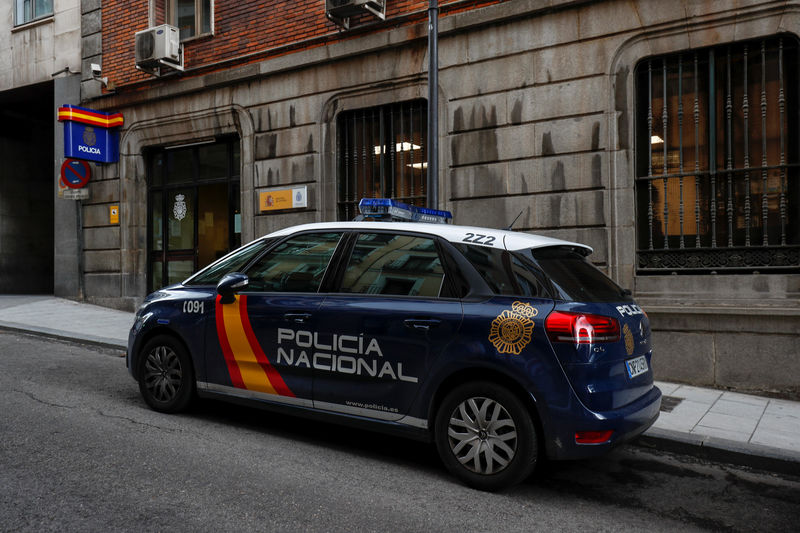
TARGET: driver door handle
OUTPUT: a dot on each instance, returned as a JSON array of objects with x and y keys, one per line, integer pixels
[
  {"x": 297, "y": 317},
  {"x": 421, "y": 324}
]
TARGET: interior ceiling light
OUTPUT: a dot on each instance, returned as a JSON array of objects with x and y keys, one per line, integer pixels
[{"x": 399, "y": 147}]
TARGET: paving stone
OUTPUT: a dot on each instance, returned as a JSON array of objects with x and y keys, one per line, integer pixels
[
  {"x": 673, "y": 423},
  {"x": 783, "y": 408},
  {"x": 738, "y": 409},
  {"x": 777, "y": 434},
  {"x": 696, "y": 394},
  {"x": 742, "y": 425},
  {"x": 786, "y": 424},
  {"x": 684, "y": 417},
  {"x": 744, "y": 398}
]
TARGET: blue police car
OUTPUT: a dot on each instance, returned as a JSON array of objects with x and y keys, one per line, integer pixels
[{"x": 500, "y": 347}]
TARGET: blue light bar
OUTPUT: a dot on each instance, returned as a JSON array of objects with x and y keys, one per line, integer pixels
[
  {"x": 393, "y": 210},
  {"x": 435, "y": 216}
]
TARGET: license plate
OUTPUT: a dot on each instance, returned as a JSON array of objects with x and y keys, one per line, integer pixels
[{"x": 636, "y": 366}]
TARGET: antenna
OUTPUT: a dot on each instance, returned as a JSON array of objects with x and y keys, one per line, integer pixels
[{"x": 513, "y": 221}]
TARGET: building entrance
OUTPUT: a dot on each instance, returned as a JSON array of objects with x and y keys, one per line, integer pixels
[
  {"x": 193, "y": 209},
  {"x": 27, "y": 190}
]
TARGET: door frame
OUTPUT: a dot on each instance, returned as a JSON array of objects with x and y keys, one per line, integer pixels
[{"x": 163, "y": 190}]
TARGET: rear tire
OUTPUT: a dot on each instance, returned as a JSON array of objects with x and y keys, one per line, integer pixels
[
  {"x": 166, "y": 376},
  {"x": 485, "y": 436}
]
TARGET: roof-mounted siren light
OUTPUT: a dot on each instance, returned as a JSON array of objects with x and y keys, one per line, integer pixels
[
  {"x": 159, "y": 48},
  {"x": 340, "y": 11},
  {"x": 394, "y": 211}
]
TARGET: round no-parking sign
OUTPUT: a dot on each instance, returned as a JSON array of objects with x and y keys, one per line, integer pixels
[{"x": 75, "y": 173}]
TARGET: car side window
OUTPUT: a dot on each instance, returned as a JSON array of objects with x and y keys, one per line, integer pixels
[
  {"x": 384, "y": 263},
  {"x": 297, "y": 264},
  {"x": 505, "y": 273}
]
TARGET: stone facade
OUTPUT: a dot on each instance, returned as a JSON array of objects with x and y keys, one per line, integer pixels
[
  {"x": 34, "y": 51},
  {"x": 536, "y": 102}
]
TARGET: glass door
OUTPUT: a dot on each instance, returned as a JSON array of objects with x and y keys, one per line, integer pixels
[{"x": 193, "y": 209}]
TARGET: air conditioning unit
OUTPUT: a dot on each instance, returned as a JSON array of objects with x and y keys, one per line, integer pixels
[
  {"x": 340, "y": 11},
  {"x": 159, "y": 47}
]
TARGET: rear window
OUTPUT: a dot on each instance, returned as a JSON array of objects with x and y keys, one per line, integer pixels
[{"x": 574, "y": 278}]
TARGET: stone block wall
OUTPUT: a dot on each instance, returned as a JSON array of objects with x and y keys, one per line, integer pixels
[
  {"x": 537, "y": 108},
  {"x": 91, "y": 47},
  {"x": 32, "y": 52}
]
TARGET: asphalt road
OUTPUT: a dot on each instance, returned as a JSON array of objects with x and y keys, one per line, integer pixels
[{"x": 79, "y": 451}]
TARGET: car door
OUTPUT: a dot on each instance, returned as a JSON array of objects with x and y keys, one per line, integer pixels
[
  {"x": 253, "y": 357},
  {"x": 378, "y": 335}
]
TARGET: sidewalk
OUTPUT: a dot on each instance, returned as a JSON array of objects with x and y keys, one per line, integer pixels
[
  {"x": 723, "y": 426},
  {"x": 65, "y": 319}
]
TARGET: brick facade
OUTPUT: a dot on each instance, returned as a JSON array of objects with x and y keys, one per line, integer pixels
[{"x": 248, "y": 32}]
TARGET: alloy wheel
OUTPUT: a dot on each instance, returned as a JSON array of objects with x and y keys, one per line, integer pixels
[
  {"x": 482, "y": 435},
  {"x": 163, "y": 373}
]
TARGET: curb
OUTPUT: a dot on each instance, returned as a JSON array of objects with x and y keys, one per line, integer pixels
[
  {"x": 103, "y": 342},
  {"x": 776, "y": 460}
]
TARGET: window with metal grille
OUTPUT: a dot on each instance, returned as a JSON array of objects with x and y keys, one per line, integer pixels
[
  {"x": 717, "y": 159},
  {"x": 382, "y": 153}
]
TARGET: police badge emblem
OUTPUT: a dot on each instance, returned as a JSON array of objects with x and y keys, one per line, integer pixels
[
  {"x": 512, "y": 329},
  {"x": 179, "y": 209},
  {"x": 629, "y": 343},
  {"x": 89, "y": 136}
]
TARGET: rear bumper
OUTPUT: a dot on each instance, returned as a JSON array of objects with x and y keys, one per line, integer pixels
[{"x": 626, "y": 423}]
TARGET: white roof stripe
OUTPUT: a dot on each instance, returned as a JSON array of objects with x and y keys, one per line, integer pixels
[{"x": 492, "y": 238}]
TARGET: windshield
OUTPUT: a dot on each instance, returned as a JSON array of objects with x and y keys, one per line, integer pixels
[{"x": 233, "y": 262}]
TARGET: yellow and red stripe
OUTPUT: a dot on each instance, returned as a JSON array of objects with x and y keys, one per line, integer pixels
[
  {"x": 87, "y": 116},
  {"x": 248, "y": 366}
]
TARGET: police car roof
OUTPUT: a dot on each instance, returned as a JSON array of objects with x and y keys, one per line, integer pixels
[{"x": 512, "y": 240}]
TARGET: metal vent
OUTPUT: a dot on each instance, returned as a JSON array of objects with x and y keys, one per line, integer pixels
[{"x": 145, "y": 46}]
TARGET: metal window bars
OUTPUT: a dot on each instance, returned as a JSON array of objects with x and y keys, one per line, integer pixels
[
  {"x": 381, "y": 153},
  {"x": 744, "y": 218}
]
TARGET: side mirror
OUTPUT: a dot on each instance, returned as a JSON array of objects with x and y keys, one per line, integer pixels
[{"x": 230, "y": 284}]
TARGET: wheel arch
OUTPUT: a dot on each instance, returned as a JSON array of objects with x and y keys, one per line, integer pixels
[
  {"x": 484, "y": 374},
  {"x": 148, "y": 336}
]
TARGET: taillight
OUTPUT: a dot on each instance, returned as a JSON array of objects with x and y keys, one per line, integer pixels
[{"x": 581, "y": 328}]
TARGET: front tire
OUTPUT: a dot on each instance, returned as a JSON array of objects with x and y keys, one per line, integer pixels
[
  {"x": 485, "y": 436},
  {"x": 166, "y": 376}
]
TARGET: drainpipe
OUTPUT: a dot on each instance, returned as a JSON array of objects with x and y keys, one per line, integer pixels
[{"x": 433, "y": 104}]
